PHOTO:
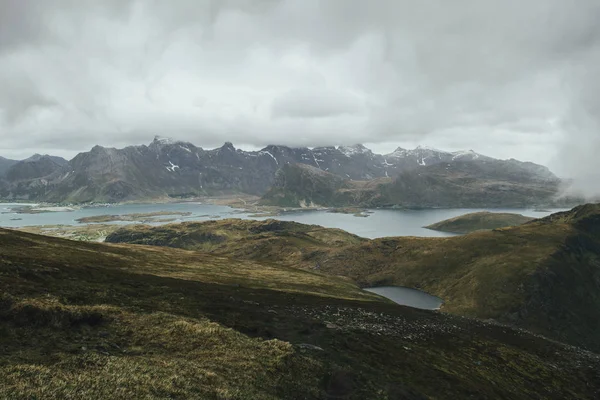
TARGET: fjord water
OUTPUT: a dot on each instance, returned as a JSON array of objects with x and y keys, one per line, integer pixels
[
  {"x": 379, "y": 223},
  {"x": 408, "y": 297}
]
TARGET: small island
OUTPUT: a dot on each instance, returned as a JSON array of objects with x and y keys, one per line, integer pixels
[
  {"x": 139, "y": 217},
  {"x": 479, "y": 221}
]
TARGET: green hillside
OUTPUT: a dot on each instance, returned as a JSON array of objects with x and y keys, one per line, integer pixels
[{"x": 96, "y": 321}]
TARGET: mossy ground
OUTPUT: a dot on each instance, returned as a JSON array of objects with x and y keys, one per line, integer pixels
[{"x": 85, "y": 320}]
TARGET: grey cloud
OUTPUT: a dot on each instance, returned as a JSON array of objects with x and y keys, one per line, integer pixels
[
  {"x": 31, "y": 23},
  {"x": 316, "y": 104},
  {"x": 21, "y": 98},
  {"x": 578, "y": 153},
  {"x": 20, "y": 23}
]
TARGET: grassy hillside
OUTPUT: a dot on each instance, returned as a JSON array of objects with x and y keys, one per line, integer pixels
[
  {"x": 289, "y": 243},
  {"x": 543, "y": 275},
  {"x": 95, "y": 321},
  {"x": 479, "y": 221}
]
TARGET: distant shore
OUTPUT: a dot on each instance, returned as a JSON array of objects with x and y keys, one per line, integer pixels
[{"x": 241, "y": 203}]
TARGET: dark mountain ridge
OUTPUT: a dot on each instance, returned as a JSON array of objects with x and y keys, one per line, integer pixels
[{"x": 167, "y": 168}]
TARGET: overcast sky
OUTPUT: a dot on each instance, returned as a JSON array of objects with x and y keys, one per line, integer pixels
[{"x": 507, "y": 78}]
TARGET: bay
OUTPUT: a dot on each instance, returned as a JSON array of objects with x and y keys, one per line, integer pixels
[{"x": 379, "y": 223}]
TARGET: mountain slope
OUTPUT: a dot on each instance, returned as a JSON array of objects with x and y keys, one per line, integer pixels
[
  {"x": 453, "y": 184},
  {"x": 5, "y": 164},
  {"x": 37, "y": 166},
  {"x": 29, "y": 178},
  {"x": 167, "y": 168},
  {"x": 299, "y": 185},
  {"x": 94, "y": 321},
  {"x": 543, "y": 275},
  {"x": 58, "y": 160},
  {"x": 470, "y": 183}
]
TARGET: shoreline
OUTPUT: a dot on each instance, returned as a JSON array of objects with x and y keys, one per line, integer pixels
[{"x": 247, "y": 204}]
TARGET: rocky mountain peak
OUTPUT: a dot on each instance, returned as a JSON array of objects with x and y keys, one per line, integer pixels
[
  {"x": 273, "y": 148},
  {"x": 227, "y": 146},
  {"x": 325, "y": 148},
  {"x": 45, "y": 157},
  {"x": 399, "y": 152},
  {"x": 160, "y": 140},
  {"x": 353, "y": 150},
  {"x": 428, "y": 148},
  {"x": 34, "y": 157}
]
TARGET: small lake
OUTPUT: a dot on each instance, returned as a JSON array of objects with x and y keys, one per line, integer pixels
[
  {"x": 408, "y": 297},
  {"x": 379, "y": 223}
]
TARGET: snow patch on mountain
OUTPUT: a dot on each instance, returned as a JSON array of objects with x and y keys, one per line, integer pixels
[
  {"x": 399, "y": 152},
  {"x": 350, "y": 151},
  {"x": 163, "y": 140},
  {"x": 470, "y": 154},
  {"x": 267, "y": 153},
  {"x": 172, "y": 167}
]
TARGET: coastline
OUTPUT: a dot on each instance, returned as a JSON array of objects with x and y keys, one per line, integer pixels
[{"x": 239, "y": 203}]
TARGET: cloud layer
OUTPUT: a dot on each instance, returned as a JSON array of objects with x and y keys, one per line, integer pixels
[{"x": 508, "y": 78}]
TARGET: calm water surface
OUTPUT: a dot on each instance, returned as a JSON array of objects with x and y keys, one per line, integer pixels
[
  {"x": 380, "y": 223},
  {"x": 408, "y": 297}
]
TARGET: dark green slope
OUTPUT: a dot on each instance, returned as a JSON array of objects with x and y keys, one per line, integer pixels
[{"x": 80, "y": 320}]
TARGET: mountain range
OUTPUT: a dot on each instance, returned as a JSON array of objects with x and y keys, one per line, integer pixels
[{"x": 175, "y": 169}]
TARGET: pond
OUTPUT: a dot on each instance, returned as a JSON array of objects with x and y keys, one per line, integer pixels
[{"x": 408, "y": 297}]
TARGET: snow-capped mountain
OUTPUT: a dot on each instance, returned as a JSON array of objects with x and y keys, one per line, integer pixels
[
  {"x": 180, "y": 169},
  {"x": 424, "y": 156}
]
